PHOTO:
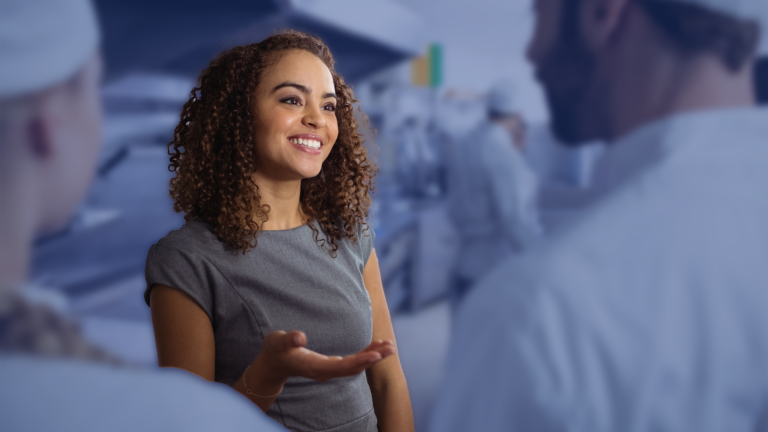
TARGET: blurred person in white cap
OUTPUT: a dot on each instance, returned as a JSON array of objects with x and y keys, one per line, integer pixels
[
  {"x": 491, "y": 191},
  {"x": 647, "y": 312},
  {"x": 50, "y": 117}
]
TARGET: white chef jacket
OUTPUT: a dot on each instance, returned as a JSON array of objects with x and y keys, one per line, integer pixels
[
  {"x": 649, "y": 312},
  {"x": 492, "y": 199},
  {"x": 38, "y": 394},
  {"x": 556, "y": 164}
]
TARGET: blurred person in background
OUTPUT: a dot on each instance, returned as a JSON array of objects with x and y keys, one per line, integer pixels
[
  {"x": 50, "y": 134},
  {"x": 648, "y": 312},
  {"x": 274, "y": 181},
  {"x": 417, "y": 160},
  {"x": 491, "y": 191}
]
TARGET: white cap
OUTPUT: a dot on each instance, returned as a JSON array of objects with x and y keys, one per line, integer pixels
[
  {"x": 44, "y": 42},
  {"x": 502, "y": 98},
  {"x": 744, "y": 9}
]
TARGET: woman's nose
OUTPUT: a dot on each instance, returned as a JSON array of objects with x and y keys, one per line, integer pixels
[{"x": 314, "y": 118}]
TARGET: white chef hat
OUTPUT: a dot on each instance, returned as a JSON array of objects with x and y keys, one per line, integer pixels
[
  {"x": 744, "y": 9},
  {"x": 502, "y": 98},
  {"x": 44, "y": 42}
]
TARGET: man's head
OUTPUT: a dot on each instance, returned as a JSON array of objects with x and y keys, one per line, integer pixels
[
  {"x": 585, "y": 50},
  {"x": 50, "y": 113}
]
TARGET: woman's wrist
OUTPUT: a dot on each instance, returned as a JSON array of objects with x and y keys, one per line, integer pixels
[{"x": 264, "y": 376}]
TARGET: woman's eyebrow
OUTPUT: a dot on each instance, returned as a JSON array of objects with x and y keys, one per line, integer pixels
[{"x": 302, "y": 88}]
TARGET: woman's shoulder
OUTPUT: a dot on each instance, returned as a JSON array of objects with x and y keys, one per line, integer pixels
[
  {"x": 364, "y": 232},
  {"x": 195, "y": 235},
  {"x": 365, "y": 240}
]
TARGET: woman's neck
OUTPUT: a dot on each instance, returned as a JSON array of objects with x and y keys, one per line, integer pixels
[{"x": 283, "y": 199}]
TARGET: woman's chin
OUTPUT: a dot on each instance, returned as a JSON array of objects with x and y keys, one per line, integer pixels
[{"x": 309, "y": 172}]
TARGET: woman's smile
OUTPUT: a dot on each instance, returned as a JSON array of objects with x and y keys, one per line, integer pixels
[{"x": 308, "y": 143}]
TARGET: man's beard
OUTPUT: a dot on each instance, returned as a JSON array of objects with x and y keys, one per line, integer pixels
[{"x": 568, "y": 75}]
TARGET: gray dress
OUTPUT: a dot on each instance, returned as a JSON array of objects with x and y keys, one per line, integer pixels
[{"x": 288, "y": 282}]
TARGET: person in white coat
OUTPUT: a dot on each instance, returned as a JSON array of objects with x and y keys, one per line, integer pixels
[
  {"x": 491, "y": 192},
  {"x": 51, "y": 378},
  {"x": 648, "y": 311}
]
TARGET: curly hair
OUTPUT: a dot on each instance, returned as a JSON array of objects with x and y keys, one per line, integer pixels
[{"x": 213, "y": 152}]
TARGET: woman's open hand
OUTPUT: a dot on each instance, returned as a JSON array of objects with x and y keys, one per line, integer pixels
[{"x": 284, "y": 356}]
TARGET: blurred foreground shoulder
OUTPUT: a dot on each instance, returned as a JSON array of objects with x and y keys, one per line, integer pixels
[{"x": 49, "y": 394}]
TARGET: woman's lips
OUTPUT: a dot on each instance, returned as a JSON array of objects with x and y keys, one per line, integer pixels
[
  {"x": 309, "y": 140},
  {"x": 308, "y": 143}
]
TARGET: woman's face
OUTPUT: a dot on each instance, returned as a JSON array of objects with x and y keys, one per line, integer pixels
[{"x": 295, "y": 124}]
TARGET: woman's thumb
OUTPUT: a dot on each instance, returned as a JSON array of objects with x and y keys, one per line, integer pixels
[{"x": 282, "y": 341}]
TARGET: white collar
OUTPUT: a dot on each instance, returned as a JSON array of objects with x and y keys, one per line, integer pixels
[{"x": 648, "y": 145}]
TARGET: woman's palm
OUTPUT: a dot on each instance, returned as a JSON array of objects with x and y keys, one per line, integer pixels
[{"x": 288, "y": 355}]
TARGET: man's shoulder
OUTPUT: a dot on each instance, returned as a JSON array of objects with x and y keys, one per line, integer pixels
[
  {"x": 576, "y": 263},
  {"x": 86, "y": 396}
]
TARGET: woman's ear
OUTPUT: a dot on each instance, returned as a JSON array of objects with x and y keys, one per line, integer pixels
[{"x": 600, "y": 21}]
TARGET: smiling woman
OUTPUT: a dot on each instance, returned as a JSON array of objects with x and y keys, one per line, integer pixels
[
  {"x": 251, "y": 97},
  {"x": 267, "y": 147}
]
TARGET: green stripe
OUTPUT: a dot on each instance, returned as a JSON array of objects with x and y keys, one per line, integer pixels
[{"x": 435, "y": 65}]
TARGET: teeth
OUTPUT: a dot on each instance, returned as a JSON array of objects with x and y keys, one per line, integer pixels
[{"x": 307, "y": 142}]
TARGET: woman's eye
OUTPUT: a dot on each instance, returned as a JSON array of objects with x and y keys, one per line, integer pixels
[
  {"x": 292, "y": 101},
  {"x": 329, "y": 107}
]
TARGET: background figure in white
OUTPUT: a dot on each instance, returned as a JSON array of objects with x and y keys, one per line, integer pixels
[
  {"x": 50, "y": 134},
  {"x": 647, "y": 312},
  {"x": 417, "y": 161},
  {"x": 491, "y": 192}
]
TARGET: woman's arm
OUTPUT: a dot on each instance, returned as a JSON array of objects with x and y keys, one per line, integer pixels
[
  {"x": 183, "y": 332},
  {"x": 184, "y": 339},
  {"x": 391, "y": 400}
]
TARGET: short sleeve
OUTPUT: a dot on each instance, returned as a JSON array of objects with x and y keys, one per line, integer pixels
[
  {"x": 183, "y": 270},
  {"x": 365, "y": 237}
]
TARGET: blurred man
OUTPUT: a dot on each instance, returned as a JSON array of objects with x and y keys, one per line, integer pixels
[
  {"x": 491, "y": 191},
  {"x": 648, "y": 312},
  {"x": 50, "y": 119}
]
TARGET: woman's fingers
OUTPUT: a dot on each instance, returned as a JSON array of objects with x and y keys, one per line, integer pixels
[
  {"x": 320, "y": 367},
  {"x": 384, "y": 347},
  {"x": 297, "y": 339},
  {"x": 298, "y": 360},
  {"x": 339, "y": 367},
  {"x": 374, "y": 345},
  {"x": 281, "y": 341}
]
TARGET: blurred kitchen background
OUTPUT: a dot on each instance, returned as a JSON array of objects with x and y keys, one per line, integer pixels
[{"x": 421, "y": 70}]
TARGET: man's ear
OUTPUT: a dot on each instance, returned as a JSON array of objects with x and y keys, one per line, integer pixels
[
  {"x": 40, "y": 138},
  {"x": 601, "y": 20},
  {"x": 41, "y": 126}
]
